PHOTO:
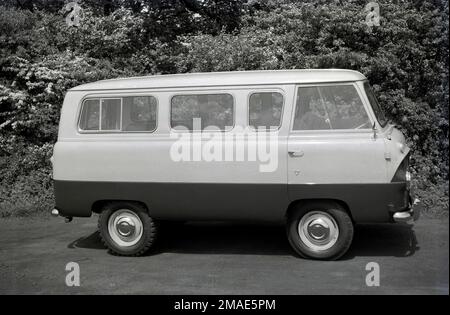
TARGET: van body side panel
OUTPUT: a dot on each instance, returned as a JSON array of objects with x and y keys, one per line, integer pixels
[
  {"x": 180, "y": 201},
  {"x": 346, "y": 166}
]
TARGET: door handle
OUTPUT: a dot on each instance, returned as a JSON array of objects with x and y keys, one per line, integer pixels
[{"x": 296, "y": 153}]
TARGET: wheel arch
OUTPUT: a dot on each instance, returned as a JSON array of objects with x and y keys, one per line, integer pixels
[
  {"x": 299, "y": 202},
  {"x": 98, "y": 205}
]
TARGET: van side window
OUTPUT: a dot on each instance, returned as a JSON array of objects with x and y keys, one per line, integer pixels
[
  {"x": 330, "y": 107},
  {"x": 379, "y": 113},
  {"x": 127, "y": 114},
  {"x": 139, "y": 113},
  {"x": 212, "y": 111},
  {"x": 110, "y": 114},
  {"x": 265, "y": 109},
  {"x": 90, "y": 116}
]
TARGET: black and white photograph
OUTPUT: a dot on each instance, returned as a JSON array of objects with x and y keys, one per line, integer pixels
[{"x": 224, "y": 155}]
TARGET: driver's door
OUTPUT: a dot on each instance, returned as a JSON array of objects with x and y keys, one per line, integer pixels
[{"x": 331, "y": 140}]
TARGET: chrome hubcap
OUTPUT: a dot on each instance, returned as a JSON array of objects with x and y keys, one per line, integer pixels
[
  {"x": 125, "y": 228},
  {"x": 318, "y": 230}
]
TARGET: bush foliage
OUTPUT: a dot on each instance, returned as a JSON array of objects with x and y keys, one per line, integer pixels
[{"x": 405, "y": 58}]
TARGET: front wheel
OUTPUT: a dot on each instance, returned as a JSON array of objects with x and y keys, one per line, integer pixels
[
  {"x": 126, "y": 228},
  {"x": 320, "y": 230}
]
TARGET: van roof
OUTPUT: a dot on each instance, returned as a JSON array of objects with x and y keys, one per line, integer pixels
[{"x": 210, "y": 79}]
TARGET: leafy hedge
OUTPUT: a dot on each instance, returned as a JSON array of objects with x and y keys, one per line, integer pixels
[{"x": 405, "y": 58}]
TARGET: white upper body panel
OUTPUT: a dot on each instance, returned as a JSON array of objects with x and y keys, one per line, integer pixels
[{"x": 333, "y": 156}]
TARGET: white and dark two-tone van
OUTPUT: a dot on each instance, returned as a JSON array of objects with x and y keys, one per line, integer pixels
[{"x": 139, "y": 151}]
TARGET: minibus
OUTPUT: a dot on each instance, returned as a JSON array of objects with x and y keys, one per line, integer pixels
[{"x": 310, "y": 149}]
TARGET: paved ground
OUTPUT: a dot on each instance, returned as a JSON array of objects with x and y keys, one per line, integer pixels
[{"x": 220, "y": 259}]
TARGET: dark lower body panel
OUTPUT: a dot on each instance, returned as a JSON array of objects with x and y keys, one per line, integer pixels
[{"x": 215, "y": 201}]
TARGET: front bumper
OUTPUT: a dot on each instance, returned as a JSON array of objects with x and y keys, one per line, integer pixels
[{"x": 410, "y": 214}]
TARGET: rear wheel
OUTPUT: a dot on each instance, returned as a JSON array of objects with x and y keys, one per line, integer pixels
[
  {"x": 320, "y": 230},
  {"x": 126, "y": 228}
]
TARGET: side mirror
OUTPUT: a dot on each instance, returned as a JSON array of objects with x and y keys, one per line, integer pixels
[{"x": 374, "y": 129}]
